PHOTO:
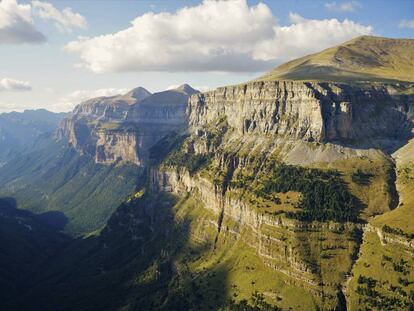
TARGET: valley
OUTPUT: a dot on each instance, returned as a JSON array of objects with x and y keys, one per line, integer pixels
[{"x": 290, "y": 192}]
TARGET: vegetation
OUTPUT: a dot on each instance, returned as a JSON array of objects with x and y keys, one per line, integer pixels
[
  {"x": 352, "y": 61},
  {"x": 257, "y": 303},
  {"x": 397, "y": 231},
  {"x": 57, "y": 178},
  {"x": 325, "y": 196},
  {"x": 191, "y": 161},
  {"x": 362, "y": 178},
  {"x": 164, "y": 146},
  {"x": 27, "y": 244},
  {"x": 384, "y": 277}
]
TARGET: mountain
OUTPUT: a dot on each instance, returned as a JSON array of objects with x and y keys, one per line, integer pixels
[
  {"x": 111, "y": 130},
  {"x": 364, "y": 58},
  {"x": 19, "y": 130},
  {"x": 275, "y": 194},
  {"x": 97, "y": 159}
]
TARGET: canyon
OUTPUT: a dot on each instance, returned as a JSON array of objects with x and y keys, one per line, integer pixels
[{"x": 295, "y": 187}]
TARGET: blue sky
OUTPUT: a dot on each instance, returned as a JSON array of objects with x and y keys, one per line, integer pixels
[{"x": 207, "y": 45}]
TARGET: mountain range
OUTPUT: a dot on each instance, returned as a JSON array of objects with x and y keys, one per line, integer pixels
[
  {"x": 20, "y": 130},
  {"x": 293, "y": 191}
]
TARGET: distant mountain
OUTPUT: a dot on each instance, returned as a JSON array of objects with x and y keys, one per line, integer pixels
[
  {"x": 124, "y": 127},
  {"x": 364, "y": 58},
  {"x": 176, "y": 96},
  {"x": 20, "y": 130},
  {"x": 108, "y": 108}
]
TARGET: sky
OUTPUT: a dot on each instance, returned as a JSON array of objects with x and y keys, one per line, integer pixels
[{"x": 55, "y": 54}]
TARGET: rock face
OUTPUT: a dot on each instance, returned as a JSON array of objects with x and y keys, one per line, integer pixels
[
  {"x": 123, "y": 128},
  {"x": 374, "y": 115},
  {"x": 370, "y": 115},
  {"x": 236, "y": 126}
]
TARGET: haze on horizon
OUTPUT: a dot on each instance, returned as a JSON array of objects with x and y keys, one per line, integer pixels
[{"x": 59, "y": 53}]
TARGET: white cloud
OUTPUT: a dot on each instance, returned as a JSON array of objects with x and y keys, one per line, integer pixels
[
  {"x": 306, "y": 36},
  {"x": 64, "y": 20},
  {"x": 69, "y": 101},
  {"x": 203, "y": 88},
  {"x": 212, "y": 36},
  {"x": 346, "y": 7},
  {"x": 406, "y": 23},
  {"x": 7, "y": 84},
  {"x": 16, "y": 24}
]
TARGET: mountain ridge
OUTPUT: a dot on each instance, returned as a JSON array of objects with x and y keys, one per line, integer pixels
[{"x": 365, "y": 58}]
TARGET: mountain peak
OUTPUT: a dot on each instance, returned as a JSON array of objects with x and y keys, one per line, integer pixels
[
  {"x": 139, "y": 93},
  {"x": 186, "y": 89},
  {"x": 364, "y": 58}
]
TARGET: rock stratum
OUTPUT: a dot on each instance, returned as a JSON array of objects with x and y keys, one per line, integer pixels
[{"x": 124, "y": 127}]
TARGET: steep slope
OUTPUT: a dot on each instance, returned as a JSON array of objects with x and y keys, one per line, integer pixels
[
  {"x": 20, "y": 130},
  {"x": 27, "y": 243},
  {"x": 115, "y": 129},
  {"x": 56, "y": 178},
  {"x": 302, "y": 221},
  {"x": 365, "y": 58}
]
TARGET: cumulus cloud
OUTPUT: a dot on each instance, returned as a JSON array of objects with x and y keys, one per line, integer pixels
[
  {"x": 345, "y": 7},
  {"x": 212, "y": 36},
  {"x": 13, "y": 85},
  {"x": 69, "y": 101},
  {"x": 64, "y": 20},
  {"x": 305, "y": 36},
  {"x": 16, "y": 24},
  {"x": 406, "y": 23}
]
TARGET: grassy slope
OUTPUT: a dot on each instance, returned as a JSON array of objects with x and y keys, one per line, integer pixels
[
  {"x": 381, "y": 260},
  {"x": 382, "y": 263},
  {"x": 174, "y": 264},
  {"x": 364, "y": 58},
  {"x": 403, "y": 215},
  {"x": 56, "y": 178},
  {"x": 26, "y": 244}
]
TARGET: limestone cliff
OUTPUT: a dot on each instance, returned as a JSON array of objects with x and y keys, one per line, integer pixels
[
  {"x": 124, "y": 127},
  {"x": 364, "y": 115}
]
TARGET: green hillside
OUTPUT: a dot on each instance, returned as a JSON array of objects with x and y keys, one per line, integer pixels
[
  {"x": 57, "y": 178},
  {"x": 364, "y": 58}
]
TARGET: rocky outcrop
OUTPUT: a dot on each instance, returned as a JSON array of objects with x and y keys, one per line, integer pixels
[
  {"x": 125, "y": 127},
  {"x": 367, "y": 115},
  {"x": 113, "y": 146}
]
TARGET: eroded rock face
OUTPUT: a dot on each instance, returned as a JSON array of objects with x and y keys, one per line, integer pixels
[
  {"x": 371, "y": 115},
  {"x": 112, "y": 146},
  {"x": 374, "y": 115},
  {"x": 123, "y": 128},
  {"x": 288, "y": 246}
]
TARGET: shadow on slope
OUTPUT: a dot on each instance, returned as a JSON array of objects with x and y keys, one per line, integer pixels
[
  {"x": 140, "y": 261},
  {"x": 366, "y": 116},
  {"x": 56, "y": 178},
  {"x": 27, "y": 244}
]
